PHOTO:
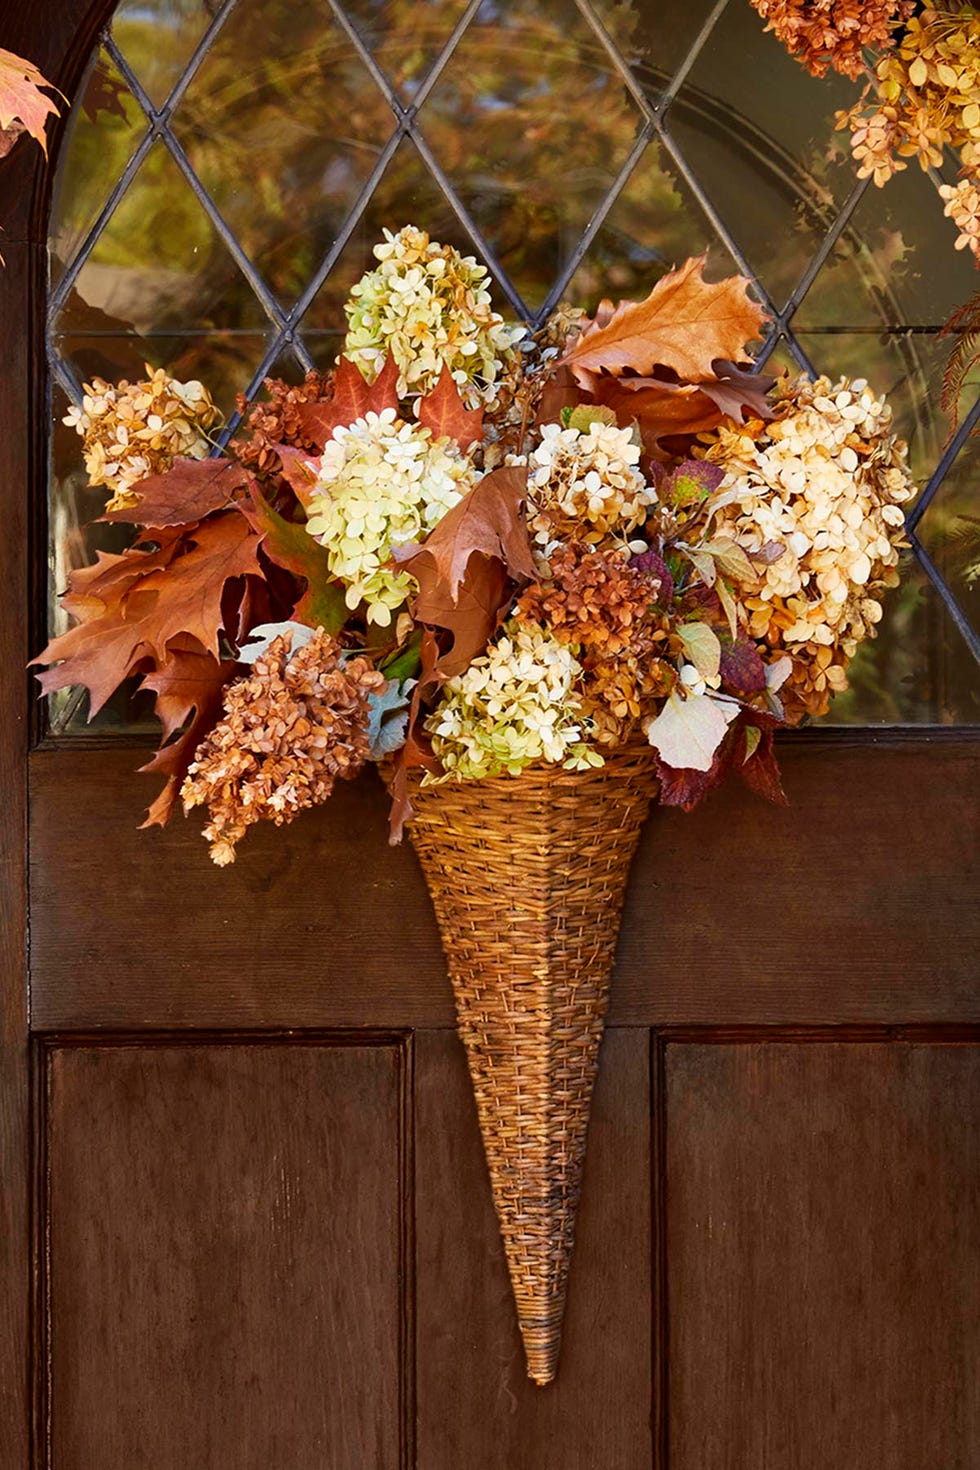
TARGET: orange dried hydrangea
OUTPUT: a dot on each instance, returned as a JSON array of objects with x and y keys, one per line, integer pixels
[
  {"x": 833, "y": 33},
  {"x": 290, "y": 729},
  {"x": 279, "y": 421},
  {"x": 606, "y": 610}
]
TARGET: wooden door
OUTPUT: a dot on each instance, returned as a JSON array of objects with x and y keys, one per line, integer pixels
[{"x": 244, "y": 1217}]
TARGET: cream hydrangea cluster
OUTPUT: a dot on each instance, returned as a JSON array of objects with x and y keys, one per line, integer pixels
[
  {"x": 817, "y": 495},
  {"x": 585, "y": 483},
  {"x": 381, "y": 483},
  {"x": 132, "y": 430},
  {"x": 428, "y": 306},
  {"x": 515, "y": 704}
]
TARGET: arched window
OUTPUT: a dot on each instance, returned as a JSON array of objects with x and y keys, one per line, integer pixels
[{"x": 230, "y": 163}]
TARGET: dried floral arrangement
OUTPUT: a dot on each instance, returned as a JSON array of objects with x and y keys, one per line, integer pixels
[{"x": 470, "y": 549}]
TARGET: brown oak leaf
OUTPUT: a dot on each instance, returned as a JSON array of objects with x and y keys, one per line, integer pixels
[
  {"x": 352, "y": 398},
  {"x": 661, "y": 410},
  {"x": 489, "y": 519},
  {"x": 192, "y": 489},
  {"x": 131, "y": 607},
  {"x": 445, "y": 414},
  {"x": 471, "y": 616},
  {"x": 188, "y": 689},
  {"x": 685, "y": 324},
  {"x": 734, "y": 390}
]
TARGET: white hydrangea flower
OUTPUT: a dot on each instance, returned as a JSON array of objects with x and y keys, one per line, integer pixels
[
  {"x": 382, "y": 483},
  {"x": 589, "y": 478},
  {"x": 515, "y": 704},
  {"x": 825, "y": 482},
  {"x": 427, "y": 306}
]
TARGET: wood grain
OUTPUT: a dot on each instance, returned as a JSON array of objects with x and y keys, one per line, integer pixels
[
  {"x": 855, "y": 904},
  {"x": 15, "y": 447},
  {"x": 476, "y": 1406},
  {"x": 823, "y": 1211},
  {"x": 225, "y": 1257}
]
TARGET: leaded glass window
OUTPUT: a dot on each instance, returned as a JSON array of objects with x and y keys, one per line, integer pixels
[{"x": 230, "y": 163}]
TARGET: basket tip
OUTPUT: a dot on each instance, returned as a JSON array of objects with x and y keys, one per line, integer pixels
[{"x": 542, "y": 1360}]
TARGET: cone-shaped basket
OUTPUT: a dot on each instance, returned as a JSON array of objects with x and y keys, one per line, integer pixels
[{"x": 527, "y": 876}]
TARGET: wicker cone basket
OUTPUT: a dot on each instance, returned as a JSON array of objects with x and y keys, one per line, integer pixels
[{"x": 527, "y": 876}]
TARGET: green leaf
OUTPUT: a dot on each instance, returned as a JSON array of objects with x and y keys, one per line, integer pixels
[
  {"x": 752, "y": 737},
  {"x": 407, "y": 662},
  {"x": 701, "y": 646},
  {"x": 587, "y": 414},
  {"x": 292, "y": 547}
]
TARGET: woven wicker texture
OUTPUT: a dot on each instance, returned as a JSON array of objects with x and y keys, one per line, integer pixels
[{"x": 527, "y": 876}]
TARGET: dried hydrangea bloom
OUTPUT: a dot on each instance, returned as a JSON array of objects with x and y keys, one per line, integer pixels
[
  {"x": 278, "y": 420},
  {"x": 290, "y": 729},
  {"x": 963, "y": 208},
  {"x": 585, "y": 484},
  {"x": 131, "y": 430},
  {"x": 515, "y": 704},
  {"x": 926, "y": 98},
  {"x": 382, "y": 483},
  {"x": 607, "y": 612},
  {"x": 833, "y": 33},
  {"x": 817, "y": 496},
  {"x": 427, "y": 306}
]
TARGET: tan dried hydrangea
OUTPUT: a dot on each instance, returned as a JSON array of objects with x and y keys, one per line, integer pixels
[
  {"x": 516, "y": 704},
  {"x": 963, "y": 208},
  {"x": 290, "y": 729},
  {"x": 583, "y": 485},
  {"x": 833, "y": 33},
  {"x": 605, "y": 611},
  {"x": 132, "y": 430},
  {"x": 926, "y": 98},
  {"x": 815, "y": 497},
  {"x": 428, "y": 306},
  {"x": 278, "y": 421}
]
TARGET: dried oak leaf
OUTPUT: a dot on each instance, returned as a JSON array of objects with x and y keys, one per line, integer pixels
[
  {"x": 661, "y": 410},
  {"x": 471, "y": 616},
  {"x": 734, "y": 390},
  {"x": 23, "y": 105},
  {"x": 489, "y": 519},
  {"x": 352, "y": 398},
  {"x": 291, "y": 547},
  {"x": 416, "y": 753},
  {"x": 189, "y": 491},
  {"x": 445, "y": 414},
  {"x": 188, "y": 689},
  {"x": 131, "y": 607},
  {"x": 685, "y": 324}
]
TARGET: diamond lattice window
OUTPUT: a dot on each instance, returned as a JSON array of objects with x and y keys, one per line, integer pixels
[{"x": 229, "y": 166}]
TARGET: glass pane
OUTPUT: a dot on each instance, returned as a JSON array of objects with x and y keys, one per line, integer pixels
[
  {"x": 532, "y": 124},
  {"x": 224, "y": 361},
  {"x": 655, "y": 39},
  {"x": 106, "y": 129},
  {"x": 160, "y": 262},
  {"x": 758, "y": 132},
  {"x": 158, "y": 38},
  {"x": 950, "y": 531},
  {"x": 405, "y": 36},
  {"x": 283, "y": 125}
]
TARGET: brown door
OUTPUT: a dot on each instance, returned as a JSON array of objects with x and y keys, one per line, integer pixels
[{"x": 244, "y": 1216}]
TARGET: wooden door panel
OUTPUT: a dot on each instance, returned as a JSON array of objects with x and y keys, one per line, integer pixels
[
  {"x": 224, "y": 1242},
  {"x": 853, "y": 904},
  {"x": 475, "y": 1405},
  {"x": 823, "y": 1239}
]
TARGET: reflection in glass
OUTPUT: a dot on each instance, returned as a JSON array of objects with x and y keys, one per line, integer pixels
[
  {"x": 283, "y": 125},
  {"x": 532, "y": 123},
  {"x": 765, "y": 153},
  {"x": 950, "y": 531},
  {"x": 405, "y": 36},
  {"x": 158, "y": 38}
]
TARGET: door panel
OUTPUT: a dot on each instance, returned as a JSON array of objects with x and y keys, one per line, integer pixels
[
  {"x": 823, "y": 1234},
  {"x": 476, "y": 1405},
  {"x": 856, "y": 903},
  {"x": 224, "y": 1233}
]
